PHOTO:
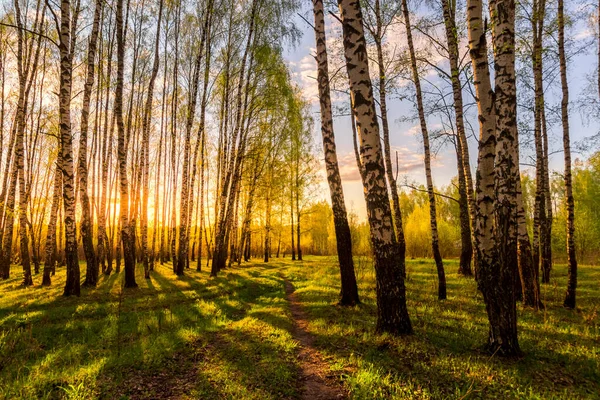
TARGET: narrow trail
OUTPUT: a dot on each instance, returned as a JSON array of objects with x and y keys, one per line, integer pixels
[{"x": 316, "y": 385}]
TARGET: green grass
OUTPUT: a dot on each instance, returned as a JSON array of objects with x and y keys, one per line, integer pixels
[{"x": 229, "y": 337}]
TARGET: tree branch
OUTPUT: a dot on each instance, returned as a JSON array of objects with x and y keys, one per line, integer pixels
[
  {"x": 426, "y": 191},
  {"x": 30, "y": 31}
]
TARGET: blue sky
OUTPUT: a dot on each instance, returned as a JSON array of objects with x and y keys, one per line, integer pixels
[{"x": 405, "y": 136}]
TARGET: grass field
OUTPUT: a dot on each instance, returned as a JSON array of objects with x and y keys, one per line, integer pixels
[{"x": 230, "y": 337}]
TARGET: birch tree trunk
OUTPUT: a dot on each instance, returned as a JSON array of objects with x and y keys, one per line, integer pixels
[
  {"x": 466, "y": 186},
  {"x": 392, "y": 314},
  {"x": 298, "y": 213},
  {"x": 498, "y": 283},
  {"x": 268, "y": 201},
  {"x": 104, "y": 249},
  {"x": 540, "y": 212},
  {"x": 484, "y": 227},
  {"x": 397, "y": 213},
  {"x": 466, "y": 251},
  {"x": 26, "y": 69},
  {"x": 349, "y": 289},
  {"x": 23, "y": 196},
  {"x": 146, "y": 150},
  {"x": 496, "y": 188},
  {"x": 127, "y": 234},
  {"x": 72, "y": 284},
  {"x": 200, "y": 140},
  {"x": 292, "y": 223},
  {"x": 427, "y": 157},
  {"x": 529, "y": 279},
  {"x": 570, "y": 297},
  {"x": 50, "y": 247},
  {"x": 92, "y": 270}
]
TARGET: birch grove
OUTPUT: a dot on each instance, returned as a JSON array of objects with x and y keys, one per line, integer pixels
[{"x": 138, "y": 135}]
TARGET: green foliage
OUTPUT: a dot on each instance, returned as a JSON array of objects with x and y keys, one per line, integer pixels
[
  {"x": 586, "y": 191},
  {"x": 417, "y": 222},
  {"x": 321, "y": 229}
]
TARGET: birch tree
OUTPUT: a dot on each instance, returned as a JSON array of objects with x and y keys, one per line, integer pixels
[
  {"x": 126, "y": 231},
  {"x": 427, "y": 155},
  {"x": 392, "y": 314},
  {"x": 349, "y": 290},
  {"x": 497, "y": 171},
  {"x": 570, "y": 297},
  {"x": 92, "y": 270}
]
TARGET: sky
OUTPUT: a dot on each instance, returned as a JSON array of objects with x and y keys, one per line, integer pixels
[{"x": 405, "y": 136}]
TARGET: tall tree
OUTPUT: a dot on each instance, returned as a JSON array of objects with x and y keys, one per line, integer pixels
[
  {"x": 146, "y": 149},
  {"x": 28, "y": 51},
  {"x": 105, "y": 244},
  {"x": 349, "y": 289},
  {"x": 467, "y": 201},
  {"x": 91, "y": 276},
  {"x": 127, "y": 232},
  {"x": 392, "y": 314},
  {"x": 50, "y": 246},
  {"x": 570, "y": 202},
  {"x": 437, "y": 256},
  {"x": 189, "y": 172},
  {"x": 497, "y": 171},
  {"x": 229, "y": 186},
  {"x": 378, "y": 29},
  {"x": 542, "y": 213},
  {"x": 67, "y": 35}
]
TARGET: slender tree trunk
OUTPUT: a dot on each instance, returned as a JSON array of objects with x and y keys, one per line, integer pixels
[
  {"x": 540, "y": 211},
  {"x": 201, "y": 140},
  {"x": 174, "y": 103},
  {"x": 463, "y": 205},
  {"x": 427, "y": 159},
  {"x": 72, "y": 285},
  {"x": 546, "y": 259},
  {"x": 50, "y": 249},
  {"x": 146, "y": 150},
  {"x": 292, "y": 223},
  {"x": 392, "y": 314},
  {"x": 104, "y": 249},
  {"x": 528, "y": 286},
  {"x": 127, "y": 234},
  {"x": 298, "y": 228},
  {"x": 397, "y": 213},
  {"x": 466, "y": 188},
  {"x": 349, "y": 288},
  {"x": 23, "y": 196},
  {"x": 570, "y": 202},
  {"x": 92, "y": 270},
  {"x": 267, "y": 249}
]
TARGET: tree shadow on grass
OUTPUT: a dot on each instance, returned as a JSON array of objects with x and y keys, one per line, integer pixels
[{"x": 444, "y": 357}]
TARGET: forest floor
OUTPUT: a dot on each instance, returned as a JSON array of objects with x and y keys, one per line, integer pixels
[{"x": 274, "y": 331}]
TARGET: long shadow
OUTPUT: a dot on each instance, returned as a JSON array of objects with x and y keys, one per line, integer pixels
[
  {"x": 252, "y": 362},
  {"x": 441, "y": 338}
]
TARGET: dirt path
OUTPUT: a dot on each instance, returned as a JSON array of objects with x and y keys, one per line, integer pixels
[{"x": 316, "y": 385}]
